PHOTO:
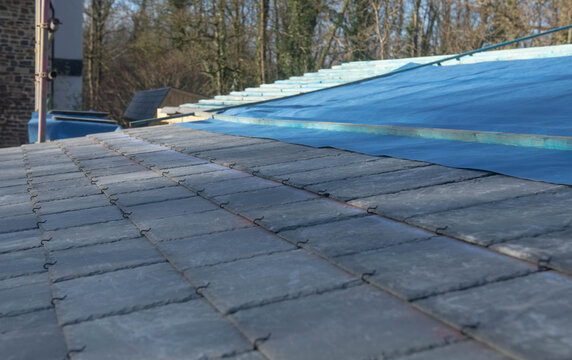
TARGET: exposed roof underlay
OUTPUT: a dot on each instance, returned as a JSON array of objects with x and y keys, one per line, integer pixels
[{"x": 167, "y": 242}]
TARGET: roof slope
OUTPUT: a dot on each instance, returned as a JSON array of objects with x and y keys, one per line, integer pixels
[{"x": 167, "y": 242}]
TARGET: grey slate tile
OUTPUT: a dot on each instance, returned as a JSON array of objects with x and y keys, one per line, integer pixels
[
  {"x": 139, "y": 185},
  {"x": 61, "y": 185},
  {"x": 53, "y": 169},
  {"x": 334, "y": 159},
  {"x": 102, "y": 258},
  {"x": 354, "y": 235},
  {"x": 217, "y": 142},
  {"x": 248, "y": 164},
  {"x": 152, "y": 196},
  {"x": 249, "y": 200},
  {"x": 528, "y": 317},
  {"x": 127, "y": 177},
  {"x": 355, "y": 323},
  {"x": 118, "y": 292},
  {"x": 63, "y": 205},
  {"x": 169, "y": 208},
  {"x": 11, "y": 181},
  {"x": 184, "y": 226},
  {"x": 36, "y": 335},
  {"x": 15, "y": 189},
  {"x": 20, "y": 263},
  {"x": 438, "y": 265},
  {"x": 490, "y": 223},
  {"x": 90, "y": 234},
  {"x": 553, "y": 249},
  {"x": 25, "y": 294},
  {"x": 105, "y": 162},
  {"x": 288, "y": 216},
  {"x": 114, "y": 170},
  {"x": 251, "y": 355},
  {"x": 450, "y": 196},
  {"x": 80, "y": 217},
  {"x": 68, "y": 193},
  {"x": 233, "y": 186},
  {"x": 18, "y": 198},
  {"x": 263, "y": 279},
  {"x": 354, "y": 169},
  {"x": 466, "y": 350},
  {"x": 23, "y": 208},
  {"x": 191, "y": 330},
  {"x": 182, "y": 171},
  {"x": 20, "y": 240},
  {"x": 246, "y": 153},
  {"x": 18, "y": 223},
  {"x": 200, "y": 180},
  {"x": 222, "y": 247},
  {"x": 167, "y": 159},
  {"x": 384, "y": 183},
  {"x": 57, "y": 177}
]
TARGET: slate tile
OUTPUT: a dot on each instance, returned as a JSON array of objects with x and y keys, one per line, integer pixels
[
  {"x": 102, "y": 258},
  {"x": 553, "y": 250},
  {"x": 450, "y": 196},
  {"x": 116, "y": 292},
  {"x": 182, "y": 171},
  {"x": 354, "y": 235},
  {"x": 23, "y": 208},
  {"x": 199, "y": 181},
  {"x": 24, "y": 294},
  {"x": 303, "y": 213},
  {"x": 246, "y": 152},
  {"x": 242, "y": 184},
  {"x": 11, "y": 199},
  {"x": 57, "y": 177},
  {"x": 80, "y": 217},
  {"x": 252, "y": 282},
  {"x": 139, "y": 185},
  {"x": 217, "y": 142},
  {"x": 53, "y": 169},
  {"x": 391, "y": 182},
  {"x": 91, "y": 234},
  {"x": 15, "y": 189},
  {"x": 251, "y": 355},
  {"x": 244, "y": 201},
  {"x": 354, "y": 169},
  {"x": 6, "y": 180},
  {"x": 466, "y": 350},
  {"x": 167, "y": 159},
  {"x": 529, "y": 317},
  {"x": 114, "y": 170},
  {"x": 63, "y": 205},
  {"x": 152, "y": 196},
  {"x": 67, "y": 193},
  {"x": 222, "y": 247},
  {"x": 106, "y": 162},
  {"x": 437, "y": 265},
  {"x": 169, "y": 208},
  {"x": 128, "y": 177},
  {"x": 355, "y": 323},
  {"x": 248, "y": 164},
  {"x": 20, "y": 263},
  {"x": 333, "y": 159},
  {"x": 18, "y": 223},
  {"x": 183, "y": 226},
  {"x": 20, "y": 240},
  {"x": 509, "y": 219},
  {"x": 191, "y": 330},
  {"x": 36, "y": 335}
]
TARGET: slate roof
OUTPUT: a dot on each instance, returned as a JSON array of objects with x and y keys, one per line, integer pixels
[{"x": 168, "y": 242}]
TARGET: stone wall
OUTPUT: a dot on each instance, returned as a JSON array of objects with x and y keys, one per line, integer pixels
[{"x": 17, "y": 25}]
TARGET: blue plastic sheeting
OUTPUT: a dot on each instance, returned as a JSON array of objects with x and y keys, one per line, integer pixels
[
  {"x": 523, "y": 96},
  {"x": 63, "y": 129},
  {"x": 520, "y": 96}
]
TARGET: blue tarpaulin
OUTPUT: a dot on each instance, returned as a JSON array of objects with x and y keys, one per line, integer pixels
[
  {"x": 514, "y": 97},
  {"x": 62, "y": 127}
]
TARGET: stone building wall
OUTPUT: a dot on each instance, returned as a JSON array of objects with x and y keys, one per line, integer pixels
[{"x": 17, "y": 24}]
